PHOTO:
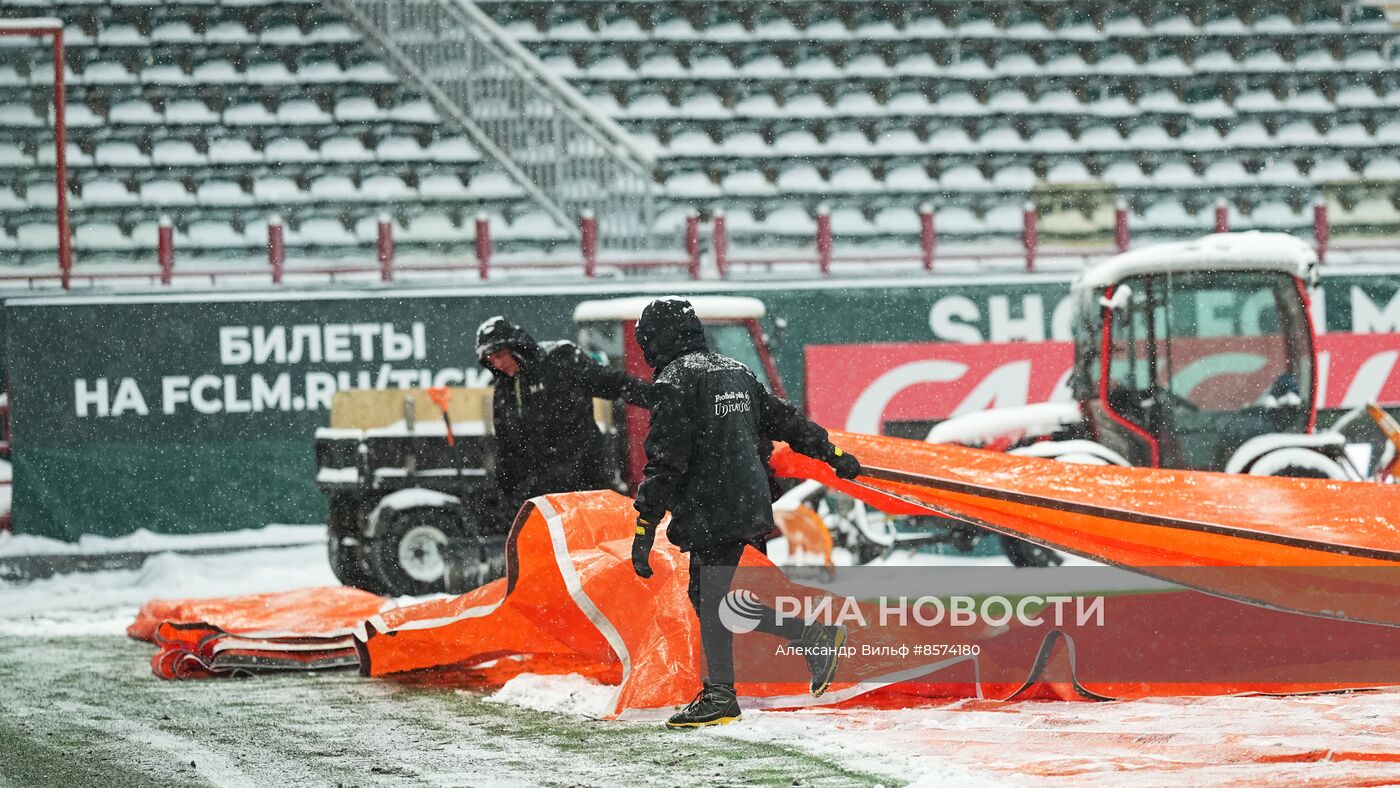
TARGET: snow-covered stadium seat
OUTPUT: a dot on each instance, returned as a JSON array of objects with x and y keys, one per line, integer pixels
[
  {"x": 100, "y": 237},
  {"x": 779, "y": 109}
]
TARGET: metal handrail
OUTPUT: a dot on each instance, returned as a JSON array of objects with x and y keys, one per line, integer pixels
[
  {"x": 614, "y": 132},
  {"x": 569, "y": 157}
]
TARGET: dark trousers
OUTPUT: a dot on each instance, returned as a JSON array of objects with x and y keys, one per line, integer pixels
[{"x": 711, "y": 574}]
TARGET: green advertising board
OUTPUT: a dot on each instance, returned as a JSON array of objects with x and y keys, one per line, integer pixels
[{"x": 195, "y": 412}]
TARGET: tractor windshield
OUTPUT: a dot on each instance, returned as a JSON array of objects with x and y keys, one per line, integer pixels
[
  {"x": 1237, "y": 340},
  {"x": 1205, "y": 360}
]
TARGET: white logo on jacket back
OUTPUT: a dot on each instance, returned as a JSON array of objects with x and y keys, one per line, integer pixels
[{"x": 731, "y": 402}]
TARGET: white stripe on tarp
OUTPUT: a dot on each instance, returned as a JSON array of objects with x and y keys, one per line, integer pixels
[
  {"x": 361, "y": 634},
  {"x": 382, "y": 628},
  {"x": 580, "y": 597},
  {"x": 282, "y": 635}
]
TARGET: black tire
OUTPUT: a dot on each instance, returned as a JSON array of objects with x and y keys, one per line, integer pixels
[
  {"x": 867, "y": 551},
  {"x": 408, "y": 554},
  {"x": 350, "y": 565},
  {"x": 473, "y": 559},
  {"x": 344, "y": 548},
  {"x": 1028, "y": 554},
  {"x": 1295, "y": 472},
  {"x": 1295, "y": 467}
]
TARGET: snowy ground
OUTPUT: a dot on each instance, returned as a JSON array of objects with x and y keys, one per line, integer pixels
[{"x": 78, "y": 707}]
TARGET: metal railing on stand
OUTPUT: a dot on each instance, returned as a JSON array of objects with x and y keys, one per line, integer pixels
[{"x": 542, "y": 132}]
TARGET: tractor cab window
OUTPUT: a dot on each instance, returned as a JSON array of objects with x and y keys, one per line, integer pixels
[
  {"x": 1238, "y": 342},
  {"x": 735, "y": 341},
  {"x": 1232, "y": 360},
  {"x": 1202, "y": 361}
]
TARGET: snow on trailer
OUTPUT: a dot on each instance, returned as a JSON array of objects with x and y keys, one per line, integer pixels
[{"x": 706, "y": 308}]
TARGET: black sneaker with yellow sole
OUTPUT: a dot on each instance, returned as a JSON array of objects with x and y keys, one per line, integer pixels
[
  {"x": 715, "y": 705},
  {"x": 821, "y": 645}
]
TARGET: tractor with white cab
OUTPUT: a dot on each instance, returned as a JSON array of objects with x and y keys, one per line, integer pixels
[{"x": 1197, "y": 355}]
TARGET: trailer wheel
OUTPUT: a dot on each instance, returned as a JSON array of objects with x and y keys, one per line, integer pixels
[
  {"x": 474, "y": 558},
  {"x": 344, "y": 547},
  {"x": 350, "y": 565},
  {"x": 1298, "y": 463},
  {"x": 1028, "y": 554},
  {"x": 408, "y": 554}
]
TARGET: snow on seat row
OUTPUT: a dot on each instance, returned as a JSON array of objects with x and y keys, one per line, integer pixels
[{"x": 767, "y": 109}]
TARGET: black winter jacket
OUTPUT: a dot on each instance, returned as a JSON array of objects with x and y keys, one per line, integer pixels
[
  {"x": 546, "y": 438},
  {"x": 712, "y": 428}
]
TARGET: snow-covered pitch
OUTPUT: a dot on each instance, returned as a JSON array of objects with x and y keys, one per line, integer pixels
[{"x": 80, "y": 707}]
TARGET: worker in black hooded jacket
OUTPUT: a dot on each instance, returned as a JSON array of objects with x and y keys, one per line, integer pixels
[
  {"x": 546, "y": 438},
  {"x": 711, "y": 434}
]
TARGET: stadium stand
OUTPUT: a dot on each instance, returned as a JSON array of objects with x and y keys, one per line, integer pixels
[
  {"x": 866, "y": 106},
  {"x": 222, "y": 111},
  {"x": 220, "y": 114}
]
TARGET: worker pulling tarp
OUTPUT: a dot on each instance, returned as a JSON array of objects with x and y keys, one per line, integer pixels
[{"x": 572, "y": 603}]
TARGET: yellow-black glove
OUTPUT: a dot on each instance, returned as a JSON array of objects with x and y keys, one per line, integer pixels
[
  {"x": 642, "y": 541},
  {"x": 845, "y": 465}
]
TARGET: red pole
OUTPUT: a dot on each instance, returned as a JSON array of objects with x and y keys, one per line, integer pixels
[
  {"x": 1030, "y": 234},
  {"x": 1121, "y": 236},
  {"x": 1321, "y": 228},
  {"x": 824, "y": 239},
  {"x": 276, "y": 248},
  {"x": 165, "y": 249},
  {"x": 65, "y": 238},
  {"x": 588, "y": 229},
  {"x": 483, "y": 245},
  {"x": 927, "y": 239},
  {"x": 692, "y": 243},
  {"x": 1222, "y": 216},
  {"x": 386, "y": 248},
  {"x": 720, "y": 239}
]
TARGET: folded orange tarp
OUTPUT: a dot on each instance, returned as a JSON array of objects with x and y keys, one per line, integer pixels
[{"x": 293, "y": 630}]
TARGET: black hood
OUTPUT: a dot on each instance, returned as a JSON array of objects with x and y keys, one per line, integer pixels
[
  {"x": 667, "y": 330},
  {"x": 497, "y": 333}
]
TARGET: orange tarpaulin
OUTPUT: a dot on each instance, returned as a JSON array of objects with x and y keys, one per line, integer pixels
[
  {"x": 570, "y": 601},
  {"x": 1310, "y": 545},
  {"x": 305, "y": 629}
]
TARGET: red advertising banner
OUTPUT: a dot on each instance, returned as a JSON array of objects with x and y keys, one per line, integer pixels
[{"x": 859, "y": 387}]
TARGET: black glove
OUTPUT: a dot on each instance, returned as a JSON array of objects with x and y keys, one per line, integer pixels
[
  {"x": 845, "y": 465},
  {"x": 641, "y": 548}
]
